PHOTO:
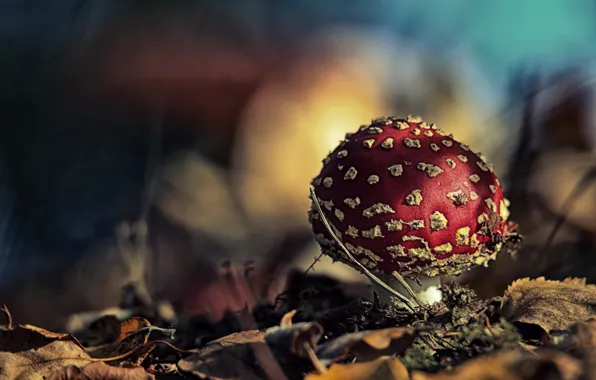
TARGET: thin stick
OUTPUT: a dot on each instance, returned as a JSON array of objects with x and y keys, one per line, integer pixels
[
  {"x": 311, "y": 267},
  {"x": 319, "y": 366},
  {"x": 409, "y": 289},
  {"x": 368, "y": 273},
  {"x": 488, "y": 326},
  {"x": 578, "y": 190},
  {"x": 6, "y": 312},
  {"x": 155, "y": 148}
]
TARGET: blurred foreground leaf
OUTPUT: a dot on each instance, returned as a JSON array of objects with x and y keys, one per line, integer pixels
[
  {"x": 383, "y": 368},
  {"x": 230, "y": 357},
  {"x": 512, "y": 365},
  {"x": 580, "y": 342},
  {"x": 368, "y": 345}
]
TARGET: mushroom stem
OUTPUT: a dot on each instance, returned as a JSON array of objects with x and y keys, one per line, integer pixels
[{"x": 424, "y": 291}]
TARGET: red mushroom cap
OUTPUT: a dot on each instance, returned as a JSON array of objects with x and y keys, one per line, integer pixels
[{"x": 405, "y": 197}]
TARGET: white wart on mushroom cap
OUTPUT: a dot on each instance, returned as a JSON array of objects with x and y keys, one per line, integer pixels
[{"x": 403, "y": 196}]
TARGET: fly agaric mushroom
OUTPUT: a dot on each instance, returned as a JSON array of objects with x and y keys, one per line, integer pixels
[{"x": 406, "y": 199}]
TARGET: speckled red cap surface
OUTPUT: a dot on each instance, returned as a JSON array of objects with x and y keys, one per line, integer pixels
[{"x": 404, "y": 196}]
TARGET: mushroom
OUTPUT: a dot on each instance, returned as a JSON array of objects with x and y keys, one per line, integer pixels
[{"x": 409, "y": 203}]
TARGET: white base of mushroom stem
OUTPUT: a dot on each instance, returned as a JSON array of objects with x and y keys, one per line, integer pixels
[{"x": 427, "y": 291}]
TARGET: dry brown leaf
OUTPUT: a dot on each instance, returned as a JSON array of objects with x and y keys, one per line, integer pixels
[
  {"x": 99, "y": 370},
  {"x": 103, "y": 330},
  {"x": 383, "y": 368},
  {"x": 256, "y": 354},
  {"x": 109, "y": 329},
  {"x": 581, "y": 337},
  {"x": 581, "y": 342},
  {"x": 230, "y": 357},
  {"x": 552, "y": 305},
  {"x": 569, "y": 367},
  {"x": 29, "y": 352},
  {"x": 512, "y": 365},
  {"x": 132, "y": 333},
  {"x": 368, "y": 345},
  {"x": 131, "y": 325}
]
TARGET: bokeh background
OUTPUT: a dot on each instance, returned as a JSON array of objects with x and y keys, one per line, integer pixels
[{"x": 153, "y": 141}]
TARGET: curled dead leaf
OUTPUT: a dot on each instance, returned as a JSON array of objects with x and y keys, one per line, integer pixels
[
  {"x": 555, "y": 180},
  {"x": 132, "y": 325},
  {"x": 109, "y": 329},
  {"x": 298, "y": 339},
  {"x": 368, "y": 345},
  {"x": 551, "y": 305},
  {"x": 383, "y": 368},
  {"x": 580, "y": 342},
  {"x": 132, "y": 334},
  {"x": 254, "y": 354},
  {"x": 29, "y": 352},
  {"x": 99, "y": 370},
  {"x": 512, "y": 365},
  {"x": 103, "y": 330},
  {"x": 581, "y": 337},
  {"x": 231, "y": 357}
]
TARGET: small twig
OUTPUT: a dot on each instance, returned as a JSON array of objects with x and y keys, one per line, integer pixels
[
  {"x": 408, "y": 288},
  {"x": 150, "y": 329},
  {"x": 368, "y": 273},
  {"x": 488, "y": 326},
  {"x": 262, "y": 353},
  {"x": 155, "y": 147},
  {"x": 519, "y": 166},
  {"x": 425, "y": 340},
  {"x": 480, "y": 312},
  {"x": 319, "y": 366},
  {"x": 6, "y": 312},
  {"x": 577, "y": 191},
  {"x": 444, "y": 342},
  {"x": 134, "y": 256},
  {"x": 317, "y": 259}
]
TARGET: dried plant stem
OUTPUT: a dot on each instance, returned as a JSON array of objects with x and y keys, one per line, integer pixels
[
  {"x": 368, "y": 273},
  {"x": 262, "y": 352},
  {"x": 134, "y": 253},
  {"x": 581, "y": 186},
  {"x": 5, "y": 310},
  {"x": 319, "y": 366},
  {"x": 311, "y": 266},
  {"x": 407, "y": 286},
  {"x": 155, "y": 147},
  {"x": 488, "y": 325}
]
